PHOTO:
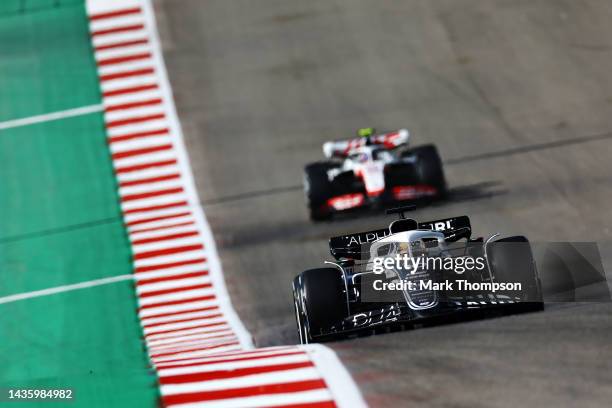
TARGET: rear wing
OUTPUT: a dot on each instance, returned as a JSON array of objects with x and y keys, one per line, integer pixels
[
  {"x": 351, "y": 246},
  {"x": 343, "y": 148},
  {"x": 453, "y": 228}
]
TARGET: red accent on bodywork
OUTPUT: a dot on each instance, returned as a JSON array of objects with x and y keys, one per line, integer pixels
[
  {"x": 346, "y": 201},
  {"x": 375, "y": 193}
]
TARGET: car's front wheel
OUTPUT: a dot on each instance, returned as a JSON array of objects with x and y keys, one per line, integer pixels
[{"x": 319, "y": 302}]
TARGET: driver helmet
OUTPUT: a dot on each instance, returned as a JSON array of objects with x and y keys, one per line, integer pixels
[{"x": 366, "y": 132}]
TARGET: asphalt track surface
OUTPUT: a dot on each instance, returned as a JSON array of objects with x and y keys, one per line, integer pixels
[{"x": 516, "y": 94}]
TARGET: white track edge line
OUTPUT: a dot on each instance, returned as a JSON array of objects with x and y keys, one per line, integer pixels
[
  {"x": 65, "y": 288},
  {"x": 47, "y": 117},
  {"x": 339, "y": 381}
]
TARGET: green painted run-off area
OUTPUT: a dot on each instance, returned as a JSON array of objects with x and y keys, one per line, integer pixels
[{"x": 60, "y": 222}]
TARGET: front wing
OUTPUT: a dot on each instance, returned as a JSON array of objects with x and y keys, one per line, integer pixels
[
  {"x": 388, "y": 316},
  {"x": 354, "y": 200}
]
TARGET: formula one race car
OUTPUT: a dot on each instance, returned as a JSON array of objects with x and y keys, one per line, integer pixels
[
  {"x": 364, "y": 289},
  {"x": 372, "y": 169}
]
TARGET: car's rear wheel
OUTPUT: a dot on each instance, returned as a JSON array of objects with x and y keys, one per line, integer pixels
[
  {"x": 318, "y": 190},
  {"x": 319, "y": 301},
  {"x": 511, "y": 261},
  {"x": 429, "y": 169}
]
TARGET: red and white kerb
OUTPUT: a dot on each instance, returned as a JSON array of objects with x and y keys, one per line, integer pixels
[{"x": 197, "y": 344}]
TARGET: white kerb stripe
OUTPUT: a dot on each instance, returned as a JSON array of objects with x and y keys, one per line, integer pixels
[{"x": 118, "y": 21}]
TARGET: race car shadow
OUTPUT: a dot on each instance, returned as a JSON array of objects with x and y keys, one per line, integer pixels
[{"x": 472, "y": 192}]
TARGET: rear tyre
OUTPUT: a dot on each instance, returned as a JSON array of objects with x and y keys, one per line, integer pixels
[
  {"x": 318, "y": 190},
  {"x": 511, "y": 261},
  {"x": 429, "y": 167},
  {"x": 319, "y": 301}
]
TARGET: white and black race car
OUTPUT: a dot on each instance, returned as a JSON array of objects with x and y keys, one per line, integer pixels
[
  {"x": 370, "y": 170},
  {"x": 350, "y": 296}
]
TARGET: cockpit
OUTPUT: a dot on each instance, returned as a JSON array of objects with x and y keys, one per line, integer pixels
[
  {"x": 381, "y": 154},
  {"x": 361, "y": 157},
  {"x": 368, "y": 154}
]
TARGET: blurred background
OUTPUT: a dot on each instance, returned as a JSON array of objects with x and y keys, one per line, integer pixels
[{"x": 517, "y": 96}]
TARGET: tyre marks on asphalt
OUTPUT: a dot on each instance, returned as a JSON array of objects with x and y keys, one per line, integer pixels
[{"x": 199, "y": 347}]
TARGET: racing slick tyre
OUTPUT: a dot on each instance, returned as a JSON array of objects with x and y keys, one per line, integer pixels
[
  {"x": 318, "y": 190},
  {"x": 320, "y": 302},
  {"x": 429, "y": 167},
  {"x": 511, "y": 261}
]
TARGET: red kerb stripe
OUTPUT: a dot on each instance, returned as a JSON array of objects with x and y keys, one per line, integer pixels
[
  {"x": 178, "y": 302},
  {"x": 136, "y": 135},
  {"x": 171, "y": 264},
  {"x": 168, "y": 251},
  {"x": 267, "y": 389},
  {"x": 156, "y": 207},
  {"x": 174, "y": 290},
  {"x": 221, "y": 327},
  {"x": 172, "y": 277},
  {"x": 212, "y": 358},
  {"x": 201, "y": 326},
  {"x": 181, "y": 350},
  {"x": 137, "y": 167},
  {"x": 239, "y": 372},
  {"x": 202, "y": 309},
  {"x": 124, "y": 59},
  {"x": 179, "y": 320},
  {"x": 139, "y": 152},
  {"x": 127, "y": 74},
  {"x": 199, "y": 339},
  {"x": 321, "y": 404},
  {"x": 133, "y": 89},
  {"x": 121, "y": 44},
  {"x": 149, "y": 180},
  {"x": 229, "y": 360},
  {"x": 116, "y": 13},
  {"x": 151, "y": 194},
  {"x": 165, "y": 237},
  {"x": 122, "y": 29},
  {"x": 132, "y": 105},
  {"x": 181, "y": 224},
  {"x": 137, "y": 119}
]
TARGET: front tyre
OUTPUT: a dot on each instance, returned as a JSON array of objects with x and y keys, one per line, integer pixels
[{"x": 319, "y": 302}]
